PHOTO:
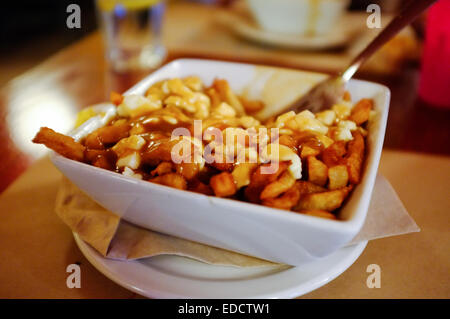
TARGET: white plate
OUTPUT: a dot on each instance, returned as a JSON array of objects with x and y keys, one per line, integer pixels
[{"x": 179, "y": 277}]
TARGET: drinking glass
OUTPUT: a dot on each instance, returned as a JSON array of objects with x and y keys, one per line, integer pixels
[{"x": 132, "y": 33}]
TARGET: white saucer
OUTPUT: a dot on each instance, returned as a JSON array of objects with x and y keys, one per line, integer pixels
[
  {"x": 242, "y": 25},
  {"x": 179, "y": 277}
]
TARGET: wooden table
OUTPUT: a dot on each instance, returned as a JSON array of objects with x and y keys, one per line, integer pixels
[
  {"x": 36, "y": 247},
  {"x": 51, "y": 93}
]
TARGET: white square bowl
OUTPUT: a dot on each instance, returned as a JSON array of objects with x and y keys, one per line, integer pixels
[{"x": 255, "y": 230}]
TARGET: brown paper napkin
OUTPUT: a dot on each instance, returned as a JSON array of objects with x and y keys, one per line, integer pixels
[
  {"x": 386, "y": 215},
  {"x": 118, "y": 239}
]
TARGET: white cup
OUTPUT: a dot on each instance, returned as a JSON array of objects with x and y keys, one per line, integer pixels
[{"x": 305, "y": 17}]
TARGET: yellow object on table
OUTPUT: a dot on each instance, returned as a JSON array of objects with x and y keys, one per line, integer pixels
[{"x": 108, "y": 5}]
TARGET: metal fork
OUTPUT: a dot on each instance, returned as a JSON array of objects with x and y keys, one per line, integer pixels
[{"x": 326, "y": 93}]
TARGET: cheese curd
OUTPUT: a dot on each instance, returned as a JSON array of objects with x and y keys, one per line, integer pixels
[
  {"x": 134, "y": 142},
  {"x": 132, "y": 160},
  {"x": 223, "y": 110},
  {"x": 129, "y": 172},
  {"x": 342, "y": 109},
  {"x": 326, "y": 117},
  {"x": 280, "y": 153},
  {"x": 136, "y": 105}
]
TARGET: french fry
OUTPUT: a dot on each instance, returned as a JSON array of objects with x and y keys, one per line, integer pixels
[
  {"x": 355, "y": 157},
  {"x": 103, "y": 162},
  {"x": 286, "y": 201},
  {"x": 214, "y": 96},
  {"x": 188, "y": 170},
  {"x": 162, "y": 168},
  {"x": 334, "y": 154},
  {"x": 193, "y": 82},
  {"x": 60, "y": 143},
  {"x": 223, "y": 184},
  {"x": 319, "y": 213},
  {"x": 274, "y": 189},
  {"x": 361, "y": 111},
  {"x": 201, "y": 188},
  {"x": 259, "y": 181},
  {"x": 306, "y": 151},
  {"x": 172, "y": 179},
  {"x": 107, "y": 135},
  {"x": 242, "y": 174},
  {"x": 159, "y": 151},
  {"x": 328, "y": 201},
  {"x": 317, "y": 171},
  {"x": 288, "y": 141},
  {"x": 306, "y": 187},
  {"x": 101, "y": 158},
  {"x": 251, "y": 106},
  {"x": 224, "y": 167},
  {"x": 337, "y": 176},
  {"x": 227, "y": 95},
  {"x": 91, "y": 156},
  {"x": 271, "y": 121}
]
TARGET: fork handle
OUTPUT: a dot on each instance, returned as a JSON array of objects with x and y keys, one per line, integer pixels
[{"x": 406, "y": 16}]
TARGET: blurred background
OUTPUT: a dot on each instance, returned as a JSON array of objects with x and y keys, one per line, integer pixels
[
  {"x": 49, "y": 70},
  {"x": 31, "y": 31}
]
